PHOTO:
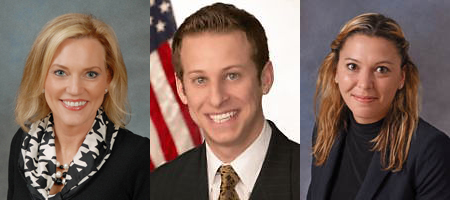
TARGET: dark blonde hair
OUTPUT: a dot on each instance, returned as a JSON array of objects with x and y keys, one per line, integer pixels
[
  {"x": 399, "y": 124},
  {"x": 31, "y": 104},
  {"x": 222, "y": 18}
]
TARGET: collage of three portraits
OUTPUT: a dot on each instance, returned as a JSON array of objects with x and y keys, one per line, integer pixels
[{"x": 172, "y": 99}]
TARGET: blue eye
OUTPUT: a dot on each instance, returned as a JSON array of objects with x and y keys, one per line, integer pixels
[
  {"x": 200, "y": 80},
  {"x": 92, "y": 74},
  {"x": 382, "y": 69},
  {"x": 59, "y": 73},
  {"x": 351, "y": 66},
  {"x": 232, "y": 76}
]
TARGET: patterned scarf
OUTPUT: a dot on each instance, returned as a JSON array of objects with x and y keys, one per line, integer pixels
[{"x": 39, "y": 156}]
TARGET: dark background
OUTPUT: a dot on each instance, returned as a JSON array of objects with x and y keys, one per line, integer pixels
[
  {"x": 20, "y": 23},
  {"x": 426, "y": 25}
]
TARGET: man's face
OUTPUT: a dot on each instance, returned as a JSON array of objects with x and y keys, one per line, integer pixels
[{"x": 221, "y": 87}]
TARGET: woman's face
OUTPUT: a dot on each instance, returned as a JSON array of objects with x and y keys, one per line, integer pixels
[
  {"x": 368, "y": 76},
  {"x": 76, "y": 82}
]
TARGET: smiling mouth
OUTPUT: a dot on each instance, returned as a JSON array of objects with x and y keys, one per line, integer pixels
[
  {"x": 74, "y": 104},
  {"x": 222, "y": 117},
  {"x": 364, "y": 99}
]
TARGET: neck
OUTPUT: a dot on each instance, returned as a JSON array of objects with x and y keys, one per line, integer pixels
[
  {"x": 229, "y": 152},
  {"x": 68, "y": 140}
]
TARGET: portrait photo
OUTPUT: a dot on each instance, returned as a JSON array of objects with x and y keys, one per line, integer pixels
[{"x": 326, "y": 27}]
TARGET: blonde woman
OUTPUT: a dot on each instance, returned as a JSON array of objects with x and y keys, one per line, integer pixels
[
  {"x": 369, "y": 141},
  {"x": 72, "y": 109}
]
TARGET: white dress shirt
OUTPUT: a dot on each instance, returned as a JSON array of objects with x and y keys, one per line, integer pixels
[{"x": 247, "y": 166}]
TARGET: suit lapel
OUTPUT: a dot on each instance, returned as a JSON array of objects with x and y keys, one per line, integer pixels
[
  {"x": 325, "y": 172},
  {"x": 274, "y": 180},
  {"x": 196, "y": 184},
  {"x": 374, "y": 177}
]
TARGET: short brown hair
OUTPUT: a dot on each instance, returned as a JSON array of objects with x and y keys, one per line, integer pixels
[
  {"x": 31, "y": 104},
  {"x": 222, "y": 18}
]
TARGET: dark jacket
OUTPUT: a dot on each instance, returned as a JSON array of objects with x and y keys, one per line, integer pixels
[
  {"x": 186, "y": 176},
  {"x": 125, "y": 175},
  {"x": 425, "y": 174}
]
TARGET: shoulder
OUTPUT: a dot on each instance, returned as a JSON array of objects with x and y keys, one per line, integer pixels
[
  {"x": 429, "y": 149},
  {"x": 18, "y": 136},
  {"x": 427, "y": 136},
  {"x": 17, "y": 140},
  {"x": 190, "y": 158},
  {"x": 131, "y": 141},
  {"x": 131, "y": 149},
  {"x": 179, "y": 174},
  {"x": 429, "y": 162},
  {"x": 281, "y": 139}
]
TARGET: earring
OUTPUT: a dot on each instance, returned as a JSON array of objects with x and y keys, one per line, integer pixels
[
  {"x": 106, "y": 91},
  {"x": 43, "y": 91}
]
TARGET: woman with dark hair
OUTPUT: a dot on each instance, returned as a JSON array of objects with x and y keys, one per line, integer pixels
[{"x": 369, "y": 141}]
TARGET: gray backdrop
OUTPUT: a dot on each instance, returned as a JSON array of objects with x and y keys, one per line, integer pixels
[
  {"x": 426, "y": 26},
  {"x": 20, "y": 23}
]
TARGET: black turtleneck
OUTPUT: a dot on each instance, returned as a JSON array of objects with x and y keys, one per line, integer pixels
[{"x": 355, "y": 159}]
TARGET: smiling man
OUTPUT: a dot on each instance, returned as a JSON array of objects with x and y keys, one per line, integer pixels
[{"x": 223, "y": 70}]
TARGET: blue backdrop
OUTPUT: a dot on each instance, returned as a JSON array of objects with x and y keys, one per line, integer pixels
[
  {"x": 21, "y": 22},
  {"x": 426, "y": 25}
]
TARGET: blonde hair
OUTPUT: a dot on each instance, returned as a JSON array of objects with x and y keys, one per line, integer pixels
[
  {"x": 399, "y": 124},
  {"x": 31, "y": 104}
]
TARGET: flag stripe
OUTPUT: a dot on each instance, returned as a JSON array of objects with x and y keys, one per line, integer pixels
[
  {"x": 156, "y": 152},
  {"x": 166, "y": 58},
  {"x": 172, "y": 131},
  {"x": 169, "y": 106},
  {"x": 165, "y": 138}
]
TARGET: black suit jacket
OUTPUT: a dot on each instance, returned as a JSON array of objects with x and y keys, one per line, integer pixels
[
  {"x": 425, "y": 174},
  {"x": 125, "y": 175},
  {"x": 186, "y": 176}
]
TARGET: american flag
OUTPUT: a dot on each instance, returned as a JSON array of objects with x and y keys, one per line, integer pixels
[{"x": 172, "y": 130}]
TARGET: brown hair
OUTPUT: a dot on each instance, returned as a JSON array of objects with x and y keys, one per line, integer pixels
[
  {"x": 394, "y": 139},
  {"x": 222, "y": 18},
  {"x": 31, "y": 104}
]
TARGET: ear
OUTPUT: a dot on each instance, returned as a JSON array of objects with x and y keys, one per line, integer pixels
[
  {"x": 180, "y": 89},
  {"x": 267, "y": 77},
  {"x": 402, "y": 82}
]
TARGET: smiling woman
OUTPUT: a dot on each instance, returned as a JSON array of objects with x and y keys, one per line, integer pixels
[
  {"x": 72, "y": 108},
  {"x": 369, "y": 141}
]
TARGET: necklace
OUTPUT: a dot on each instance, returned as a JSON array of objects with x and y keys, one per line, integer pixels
[{"x": 61, "y": 177}]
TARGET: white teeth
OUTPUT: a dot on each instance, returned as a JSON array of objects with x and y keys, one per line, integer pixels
[
  {"x": 74, "y": 104},
  {"x": 220, "y": 118}
]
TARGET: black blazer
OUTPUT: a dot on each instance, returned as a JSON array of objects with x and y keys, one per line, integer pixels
[
  {"x": 425, "y": 174},
  {"x": 186, "y": 176},
  {"x": 125, "y": 175}
]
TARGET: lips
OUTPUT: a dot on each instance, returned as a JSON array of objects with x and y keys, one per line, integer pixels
[
  {"x": 74, "y": 105},
  {"x": 364, "y": 99},
  {"x": 222, "y": 117}
]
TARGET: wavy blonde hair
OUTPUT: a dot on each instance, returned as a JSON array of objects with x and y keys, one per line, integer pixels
[
  {"x": 31, "y": 104},
  {"x": 393, "y": 141}
]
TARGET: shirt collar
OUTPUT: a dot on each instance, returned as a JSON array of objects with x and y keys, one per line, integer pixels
[{"x": 248, "y": 164}]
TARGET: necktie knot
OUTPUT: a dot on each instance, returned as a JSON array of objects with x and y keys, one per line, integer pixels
[{"x": 229, "y": 179}]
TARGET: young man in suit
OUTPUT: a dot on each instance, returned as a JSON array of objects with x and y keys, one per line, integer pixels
[{"x": 223, "y": 69}]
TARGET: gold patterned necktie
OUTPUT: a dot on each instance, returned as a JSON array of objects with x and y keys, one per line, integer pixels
[{"x": 229, "y": 179}]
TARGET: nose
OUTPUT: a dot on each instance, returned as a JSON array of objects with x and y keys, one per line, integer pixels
[
  {"x": 218, "y": 94},
  {"x": 365, "y": 79},
  {"x": 74, "y": 86}
]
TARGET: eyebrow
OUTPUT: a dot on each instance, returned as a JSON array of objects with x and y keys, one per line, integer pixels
[
  {"x": 380, "y": 62},
  {"x": 66, "y": 68},
  {"x": 223, "y": 70}
]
